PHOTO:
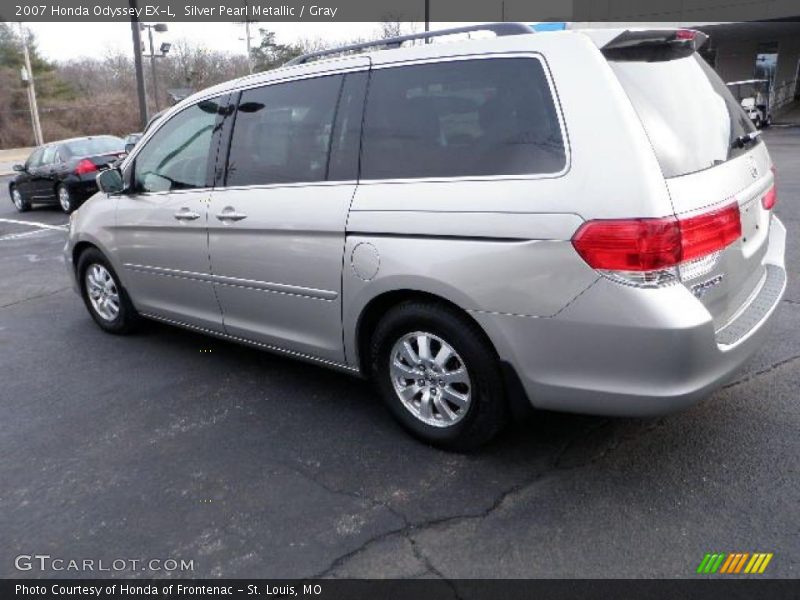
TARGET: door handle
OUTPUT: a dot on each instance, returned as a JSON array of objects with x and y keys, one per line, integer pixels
[
  {"x": 229, "y": 214},
  {"x": 186, "y": 214}
]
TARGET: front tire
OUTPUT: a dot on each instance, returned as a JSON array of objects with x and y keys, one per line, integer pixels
[
  {"x": 103, "y": 294},
  {"x": 20, "y": 203},
  {"x": 439, "y": 375},
  {"x": 65, "y": 199}
]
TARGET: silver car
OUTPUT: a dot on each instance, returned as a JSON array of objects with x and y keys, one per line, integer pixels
[{"x": 576, "y": 221}]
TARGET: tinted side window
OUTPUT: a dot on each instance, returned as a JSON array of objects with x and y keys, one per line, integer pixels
[
  {"x": 176, "y": 157},
  {"x": 465, "y": 118},
  {"x": 282, "y": 132}
]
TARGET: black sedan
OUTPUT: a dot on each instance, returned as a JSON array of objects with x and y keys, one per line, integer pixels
[{"x": 64, "y": 172}]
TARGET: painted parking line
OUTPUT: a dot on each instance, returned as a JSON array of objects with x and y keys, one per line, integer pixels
[
  {"x": 14, "y": 236},
  {"x": 35, "y": 224}
]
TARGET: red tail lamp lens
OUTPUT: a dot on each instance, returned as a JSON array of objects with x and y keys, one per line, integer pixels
[
  {"x": 85, "y": 166},
  {"x": 770, "y": 199},
  {"x": 651, "y": 244}
]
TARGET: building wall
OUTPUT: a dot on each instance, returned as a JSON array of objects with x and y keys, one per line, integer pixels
[{"x": 736, "y": 58}]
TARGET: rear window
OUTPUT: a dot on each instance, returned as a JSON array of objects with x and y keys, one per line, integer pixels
[
  {"x": 94, "y": 146},
  {"x": 465, "y": 118},
  {"x": 689, "y": 114}
]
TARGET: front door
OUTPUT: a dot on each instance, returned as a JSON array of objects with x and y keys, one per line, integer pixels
[
  {"x": 161, "y": 234},
  {"x": 277, "y": 225},
  {"x": 26, "y": 179},
  {"x": 43, "y": 188}
]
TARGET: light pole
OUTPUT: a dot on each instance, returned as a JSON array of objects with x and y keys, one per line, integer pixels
[
  {"x": 427, "y": 19},
  {"x": 247, "y": 37},
  {"x": 27, "y": 77},
  {"x": 249, "y": 52},
  {"x": 137, "y": 61},
  {"x": 160, "y": 28}
]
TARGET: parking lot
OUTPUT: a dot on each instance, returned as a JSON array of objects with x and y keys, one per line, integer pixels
[{"x": 167, "y": 444}]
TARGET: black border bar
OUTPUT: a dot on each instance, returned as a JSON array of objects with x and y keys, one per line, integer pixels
[
  {"x": 398, "y": 10},
  {"x": 407, "y": 589}
]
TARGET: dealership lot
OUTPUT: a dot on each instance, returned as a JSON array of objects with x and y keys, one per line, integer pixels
[{"x": 170, "y": 445}]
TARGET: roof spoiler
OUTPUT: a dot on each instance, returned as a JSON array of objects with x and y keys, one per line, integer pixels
[
  {"x": 654, "y": 44},
  {"x": 639, "y": 37}
]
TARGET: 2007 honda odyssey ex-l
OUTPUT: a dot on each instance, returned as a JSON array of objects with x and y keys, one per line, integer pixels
[{"x": 581, "y": 218}]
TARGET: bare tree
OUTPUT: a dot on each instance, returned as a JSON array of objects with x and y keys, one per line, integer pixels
[
  {"x": 98, "y": 95},
  {"x": 393, "y": 25}
]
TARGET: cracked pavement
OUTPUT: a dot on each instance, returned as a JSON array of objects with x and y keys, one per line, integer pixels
[{"x": 168, "y": 444}]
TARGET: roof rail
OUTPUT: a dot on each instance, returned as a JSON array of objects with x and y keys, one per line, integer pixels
[{"x": 499, "y": 29}]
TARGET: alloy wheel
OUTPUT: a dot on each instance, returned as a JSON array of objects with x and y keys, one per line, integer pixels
[
  {"x": 17, "y": 198},
  {"x": 102, "y": 291},
  {"x": 64, "y": 199},
  {"x": 430, "y": 379}
]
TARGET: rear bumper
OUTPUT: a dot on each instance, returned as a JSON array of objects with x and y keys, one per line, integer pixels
[
  {"x": 83, "y": 186},
  {"x": 625, "y": 351}
]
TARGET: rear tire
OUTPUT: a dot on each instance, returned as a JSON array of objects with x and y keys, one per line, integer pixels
[
  {"x": 20, "y": 203},
  {"x": 439, "y": 375},
  {"x": 105, "y": 298},
  {"x": 65, "y": 199}
]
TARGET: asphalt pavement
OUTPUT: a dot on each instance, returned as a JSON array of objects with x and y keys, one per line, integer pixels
[{"x": 170, "y": 445}]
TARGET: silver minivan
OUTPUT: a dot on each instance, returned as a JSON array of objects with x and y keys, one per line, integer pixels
[{"x": 576, "y": 221}]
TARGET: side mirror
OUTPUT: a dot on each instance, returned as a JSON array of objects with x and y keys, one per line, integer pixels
[
  {"x": 110, "y": 181},
  {"x": 18, "y": 167},
  {"x": 129, "y": 147}
]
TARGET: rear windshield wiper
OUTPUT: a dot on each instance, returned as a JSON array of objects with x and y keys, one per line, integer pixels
[{"x": 747, "y": 138}]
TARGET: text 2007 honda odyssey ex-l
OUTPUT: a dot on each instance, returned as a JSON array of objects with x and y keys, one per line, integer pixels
[{"x": 580, "y": 218}]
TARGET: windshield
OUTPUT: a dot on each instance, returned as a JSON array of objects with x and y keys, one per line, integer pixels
[
  {"x": 690, "y": 116},
  {"x": 95, "y": 145}
]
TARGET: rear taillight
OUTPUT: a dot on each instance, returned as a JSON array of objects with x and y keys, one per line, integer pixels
[
  {"x": 649, "y": 251},
  {"x": 629, "y": 245},
  {"x": 710, "y": 232},
  {"x": 770, "y": 199},
  {"x": 85, "y": 166}
]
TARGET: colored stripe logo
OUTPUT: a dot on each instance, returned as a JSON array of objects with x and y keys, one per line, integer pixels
[{"x": 735, "y": 563}]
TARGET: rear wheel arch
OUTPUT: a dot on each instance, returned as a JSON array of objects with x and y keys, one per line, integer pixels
[
  {"x": 379, "y": 305},
  {"x": 456, "y": 414}
]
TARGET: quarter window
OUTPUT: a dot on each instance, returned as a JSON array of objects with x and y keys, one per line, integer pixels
[
  {"x": 282, "y": 133},
  {"x": 464, "y": 118},
  {"x": 176, "y": 157}
]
